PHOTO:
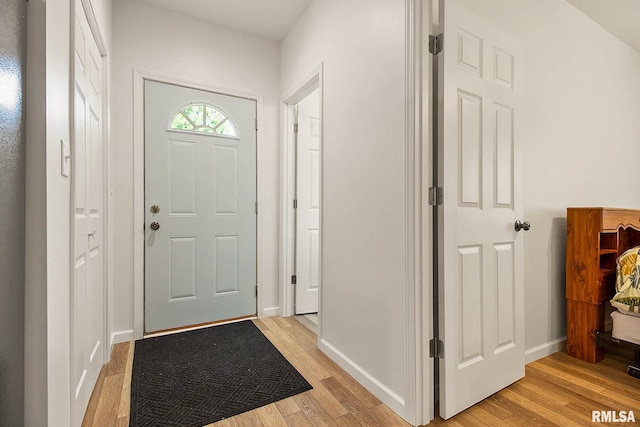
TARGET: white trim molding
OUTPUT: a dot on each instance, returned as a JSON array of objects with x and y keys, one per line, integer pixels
[
  {"x": 545, "y": 349},
  {"x": 418, "y": 221},
  {"x": 119, "y": 337},
  {"x": 139, "y": 77},
  {"x": 270, "y": 312},
  {"x": 371, "y": 383}
]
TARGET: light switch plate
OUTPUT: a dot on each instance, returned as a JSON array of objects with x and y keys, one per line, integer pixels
[{"x": 65, "y": 158}]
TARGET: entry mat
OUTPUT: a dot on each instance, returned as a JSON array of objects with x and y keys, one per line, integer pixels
[{"x": 199, "y": 377}]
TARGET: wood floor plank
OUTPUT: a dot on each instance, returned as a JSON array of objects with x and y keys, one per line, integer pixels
[
  {"x": 312, "y": 363},
  {"x": 124, "y": 409},
  {"x": 271, "y": 416},
  {"x": 541, "y": 410},
  {"x": 313, "y": 410},
  {"x": 354, "y": 405},
  {"x": 326, "y": 399},
  {"x": 521, "y": 415},
  {"x": 107, "y": 409},
  {"x": 287, "y": 406},
  {"x": 298, "y": 419},
  {"x": 388, "y": 417},
  {"x": 229, "y": 422},
  {"x": 498, "y": 411},
  {"x": 580, "y": 381},
  {"x": 347, "y": 420},
  {"x": 249, "y": 419},
  {"x": 551, "y": 399}
]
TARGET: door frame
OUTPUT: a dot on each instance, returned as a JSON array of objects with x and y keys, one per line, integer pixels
[
  {"x": 139, "y": 77},
  {"x": 288, "y": 178}
]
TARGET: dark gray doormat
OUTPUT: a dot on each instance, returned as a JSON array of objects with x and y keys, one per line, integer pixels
[{"x": 199, "y": 377}]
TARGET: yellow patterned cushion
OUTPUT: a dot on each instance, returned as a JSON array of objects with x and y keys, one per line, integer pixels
[{"x": 627, "y": 297}]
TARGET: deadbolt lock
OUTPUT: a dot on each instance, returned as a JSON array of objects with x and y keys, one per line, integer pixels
[
  {"x": 155, "y": 209},
  {"x": 155, "y": 226}
]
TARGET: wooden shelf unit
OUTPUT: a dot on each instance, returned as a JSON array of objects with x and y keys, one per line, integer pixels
[{"x": 595, "y": 238}]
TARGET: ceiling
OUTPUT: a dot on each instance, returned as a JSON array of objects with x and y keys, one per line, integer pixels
[
  {"x": 619, "y": 17},
  {"x": 270, "y": 19}
]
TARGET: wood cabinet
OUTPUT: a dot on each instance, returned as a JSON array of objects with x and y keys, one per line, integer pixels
[{"x": 595, "y": 238}]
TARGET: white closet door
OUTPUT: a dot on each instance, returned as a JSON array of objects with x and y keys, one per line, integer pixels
[
  {"x": 308, "y": 210},
  {"x": 481, "y": 282},
  {"x": 88, "y": 291}
]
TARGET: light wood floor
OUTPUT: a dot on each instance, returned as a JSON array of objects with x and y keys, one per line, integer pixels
[{"x": 556, "y": 391}]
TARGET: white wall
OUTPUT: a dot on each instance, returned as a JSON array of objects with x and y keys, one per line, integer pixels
[
  {"x": 581, "y": 138},
  {"x": 47, "y": 288},
  {"x": 157, "y": 41},
  {"x": 362, "y": 46}
]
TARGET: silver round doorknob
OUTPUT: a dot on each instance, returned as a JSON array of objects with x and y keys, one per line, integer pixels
[
  {"x": 522, "y": 225},
  {"x": 155, "y": 226}
]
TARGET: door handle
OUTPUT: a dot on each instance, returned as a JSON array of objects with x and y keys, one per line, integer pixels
[
  {"x": 522, "y": 225},
  {"x": 92, "y": 234}
]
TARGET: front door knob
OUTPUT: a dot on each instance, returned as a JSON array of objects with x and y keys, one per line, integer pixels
[
  {"x": 155, "y": 226},
  {"x": 522, "y": 225}
]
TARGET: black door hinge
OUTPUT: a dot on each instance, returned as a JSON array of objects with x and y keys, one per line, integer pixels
[
  {"x": 436, "y": 348},
  {"x": 435, "y": 44}
]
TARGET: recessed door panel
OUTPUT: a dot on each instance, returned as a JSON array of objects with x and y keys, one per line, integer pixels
[
  {"x": 183, "y": 177},
  {"x": 503, "y": 139},
  {"x": 470, "y": 309},
  {"x": 225, "y": 264},
  {"x": 226, "y": 179},
  {"x": 183, "y": 267},
  {"x": 470, "y": 149},
  {"x": 506, "y": 295}
]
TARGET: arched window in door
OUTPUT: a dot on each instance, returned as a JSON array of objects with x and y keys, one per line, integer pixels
[{"x": 203, "y": 118}]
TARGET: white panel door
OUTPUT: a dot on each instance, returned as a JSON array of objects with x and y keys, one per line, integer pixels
[
  {"x": 200, "y": 172},
  {"x": 481, "y": 255},
  {"x": 308, "y": 210},
  {"x": 87, "y": 301}
]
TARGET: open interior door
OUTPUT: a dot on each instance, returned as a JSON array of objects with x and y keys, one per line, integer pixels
[{"x": 481, "y": 297}]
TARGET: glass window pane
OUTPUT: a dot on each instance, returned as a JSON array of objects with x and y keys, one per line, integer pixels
[
  {"x": 195, "y": 113},
  {"x": 206, "y": 129},
  {"x": 213, "y": 117},
  {"x": 181, "y": 122},
  {"x": 226, "y": 128}
]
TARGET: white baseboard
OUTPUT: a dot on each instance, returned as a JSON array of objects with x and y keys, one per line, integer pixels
[
  {"x": 270, "y": 312},
  {"x": 368, "y": 381},
  {"x": 544, "y": 350},
  {"x": 121, "y": 336}
]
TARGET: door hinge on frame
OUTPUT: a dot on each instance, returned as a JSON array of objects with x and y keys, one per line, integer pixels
[
  {"x": 295, "y": 128},
  {"x": 294, "y": 279},
  {"x": 295, "y": 203},
  {"x": 256, "y": 291},
  {"x": 435, "y": 44},
  {"x": 435, "y": 196},
  {"x": 256, "y": 203},
  {"x": 436, "y": 348}
]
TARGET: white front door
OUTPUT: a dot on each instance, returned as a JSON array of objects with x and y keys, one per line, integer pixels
[
  {"x": 481, "y": 281},
  {"x": 87, "y": 301},
  {"x": 200, "y": 206},
  {"x": 308, "y": 204}
]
